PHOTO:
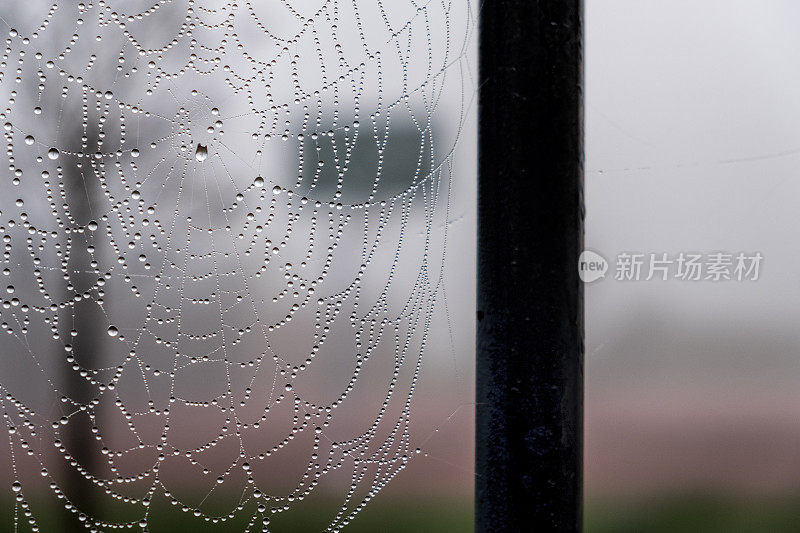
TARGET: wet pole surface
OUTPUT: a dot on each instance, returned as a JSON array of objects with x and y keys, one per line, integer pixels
[{"x": 529, "y": 426}]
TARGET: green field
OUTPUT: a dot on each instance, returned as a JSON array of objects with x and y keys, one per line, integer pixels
[
  {"x": 698, "y": 514},
  {"x": 674, "y": 515}
]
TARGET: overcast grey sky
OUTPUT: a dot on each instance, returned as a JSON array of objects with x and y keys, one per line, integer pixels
[{"x": 693, "y": 139}]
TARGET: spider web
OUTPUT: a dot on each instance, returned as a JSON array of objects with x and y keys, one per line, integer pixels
[{"x": 224, "y": 230}]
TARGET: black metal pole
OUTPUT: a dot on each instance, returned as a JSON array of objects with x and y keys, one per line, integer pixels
[{"x": 530, "y": 233}]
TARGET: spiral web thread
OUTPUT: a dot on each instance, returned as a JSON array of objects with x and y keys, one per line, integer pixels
[{"x": 203, "y": 227}]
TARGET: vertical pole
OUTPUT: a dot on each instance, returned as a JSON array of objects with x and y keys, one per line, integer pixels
[{"x": 530, "y": 233}]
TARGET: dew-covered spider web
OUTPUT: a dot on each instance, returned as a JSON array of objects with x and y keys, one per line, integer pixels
[{"x": 225, "y": 229}]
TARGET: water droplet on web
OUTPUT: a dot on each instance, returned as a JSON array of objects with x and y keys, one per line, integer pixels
[
  {"x": 29, "y": 140},
  {"x": 53, "y": 154},
  {"x": 276, "y": 189},
  {"x": 112, "y": 331},
  {"x": 201, "y": 153}
]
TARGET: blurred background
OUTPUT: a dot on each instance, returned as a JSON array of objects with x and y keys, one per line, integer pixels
[{"x": 692, "y": 145}]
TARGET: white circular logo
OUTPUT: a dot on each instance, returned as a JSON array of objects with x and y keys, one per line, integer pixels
[{"x": 591, "y": 266}]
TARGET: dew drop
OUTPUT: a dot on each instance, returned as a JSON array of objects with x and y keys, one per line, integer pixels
[
  {"x": 29, "y": 140},
  {"x": 112, "y": 331},
  {"x": 201, "y": 153},
  {"x": 53, "y": 154}
]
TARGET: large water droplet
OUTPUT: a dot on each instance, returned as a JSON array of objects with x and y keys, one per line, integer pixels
[
  {"x": 201, "y": 153},
  {"x": 53, "y": 154},
  {"x": 112, "y": 331}
]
